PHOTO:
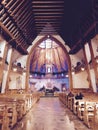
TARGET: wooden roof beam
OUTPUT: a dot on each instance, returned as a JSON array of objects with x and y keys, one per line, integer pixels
[
  {"x": 9, "y": 3},
  {"x": 26, "y": 24},
  {"x": 9, "y": 23},
  {"x": 49, "y": 13},
  {"x": 6, "y": 20},
  {"x": 22, "y": 8},
  {"x": 15, "y": 31},
  {"x": 47, "y": 6},
  {"x": 43, "y": 17},
  {"x": 17, "y": 8},
  {"x": 10, "y": 34},
  {"x": 11, "y": 8},
  {"x": 25, "y": 18},
  {"x": 48, "y": 10},
  {"x": 46, "y": 19},
  {"x": 47, "y": 2},
  {"x": 23, "y": 13},
  {"x": 43, "y": 23}
]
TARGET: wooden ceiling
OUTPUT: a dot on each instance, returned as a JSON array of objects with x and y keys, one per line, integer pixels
[
  {"x": 18, "y": 22},
  {"x": 22, "y": 20},
  {"x": 46, "y": 13}
]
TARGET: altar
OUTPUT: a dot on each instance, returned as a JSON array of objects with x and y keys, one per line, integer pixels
[
  {"x": 49, "y": 92},
  {"x": 49, "y": 89}
]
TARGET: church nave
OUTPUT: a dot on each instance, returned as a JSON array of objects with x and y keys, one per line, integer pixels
[{"x": 50, "y": 114}]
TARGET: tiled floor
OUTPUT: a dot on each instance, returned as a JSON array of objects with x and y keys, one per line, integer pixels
[{"x": 50, "y": 114}]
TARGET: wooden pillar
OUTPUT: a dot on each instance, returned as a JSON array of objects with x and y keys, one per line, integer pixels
[
  {"x": 88, "y": 69},
  {"x": 70, "y": 75},
  {"x": 9, "y": 69},
  {"x": 2, "y": 66},
  {"x": 27, "y": 76},
  {"x": 94, "y": 64}
]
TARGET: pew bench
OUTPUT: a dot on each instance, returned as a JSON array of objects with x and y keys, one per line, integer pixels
[
  {"x": 4, "y": 120},
  {"x": 89, "y": 113},
  {"x": 17, "y": 105},
  {"x": 80, "y": 109},
  {"x": 95, "y": 122}
]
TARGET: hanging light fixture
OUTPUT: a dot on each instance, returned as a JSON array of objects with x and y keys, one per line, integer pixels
[
  {"x": 24, "y": 71},
  {"x": 96, "y": 59},
  {"x": 72, "y": 70},
  {"x": 82, "y": 65},
  {"x": 82, "y": 68},
  {"x": 0, "y": 60},
  {"x": 66, "y": 75},
  {"x": 97, "y": 49},
  {"x": 14, "y": 69}
]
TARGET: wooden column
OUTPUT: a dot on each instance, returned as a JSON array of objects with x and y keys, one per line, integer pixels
[
  {"x": 9, "y": 69},
  {"x": 94, "y": 64},
  {"x": 27, "y": 76},
  {"x": 2, "y": 66},
  {"x": 88, "y": 70}
]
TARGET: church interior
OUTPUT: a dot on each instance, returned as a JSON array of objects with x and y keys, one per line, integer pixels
[{"x": 49, "y": 65}]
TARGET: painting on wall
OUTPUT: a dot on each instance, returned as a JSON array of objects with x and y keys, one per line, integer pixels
[
  {"x": 32, "y": 87},
  {"x": 19, "y": 83},
  {"x": 63, "y": 87}
]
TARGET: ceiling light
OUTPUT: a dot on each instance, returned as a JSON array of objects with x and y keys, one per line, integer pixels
[
  {"x": 30, "y": 76},
  {"x": 24, "y": 72},
  {"x": 96, "y": 60},
  {"x": 82, "y": 68},
  {"x": 0, "y": 60},
  {"x": 67, "y": 75},
  {"x": 48, "y": 36},
  {"x": 73, "y": 72},
  {"x": 97, "y": 49},
  {"x": 14, "y": 69}
]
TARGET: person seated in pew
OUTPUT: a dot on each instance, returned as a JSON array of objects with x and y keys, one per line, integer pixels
[
  {"x": 70, "y": 94},
  {"x": 79, "y": 96}
]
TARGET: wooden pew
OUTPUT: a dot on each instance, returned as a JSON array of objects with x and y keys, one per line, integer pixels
[
  {"x": 80, "y": 109},
  {"x": 86, "y": 108},
  {"x": 78, "y": 103},
  {"x": 8, "y": 117},
  {"x": 75, "y": 106},
  {"x": 4, "y": 120},
  {"x": 12, "y": 114},
  {"x": 11, "y": 110},
  {"x": 89, "y": 113},
  {"x": 63, "y": 98},
  {"x": 17, "y": 106},
  {"x": 95, "y": 121}
]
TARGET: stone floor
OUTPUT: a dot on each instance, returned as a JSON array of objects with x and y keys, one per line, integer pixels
[{"x": 50, "y": 114}]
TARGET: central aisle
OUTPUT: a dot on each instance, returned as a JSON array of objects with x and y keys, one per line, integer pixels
[{"x": 50, "y": 114}]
